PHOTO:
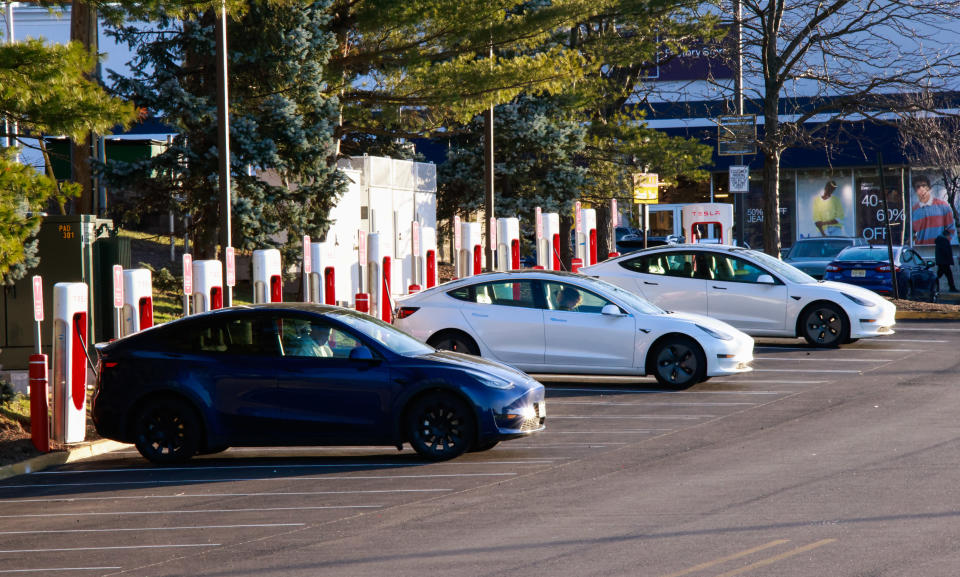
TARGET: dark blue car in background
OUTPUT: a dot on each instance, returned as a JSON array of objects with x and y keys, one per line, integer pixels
[
  {"x": 303, "y": 374},
  {"x": 869, "y": 267}
]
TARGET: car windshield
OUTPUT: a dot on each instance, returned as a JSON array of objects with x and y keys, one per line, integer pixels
[
  {"x": 870, "y": 253},
  {"x": 398, "y": 342},
  {"x": 635, "y": 301},
  {"x": 788, "y": 271},
  {"x": 820, "y": 248}
]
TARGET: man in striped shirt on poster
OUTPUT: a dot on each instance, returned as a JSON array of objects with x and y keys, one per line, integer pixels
[{"x": 931, "y": 215}]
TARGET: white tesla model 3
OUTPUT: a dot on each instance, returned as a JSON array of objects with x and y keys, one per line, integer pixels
[
  {"x": 550, "y": 322},
  {"x": 758, "y": 294}
]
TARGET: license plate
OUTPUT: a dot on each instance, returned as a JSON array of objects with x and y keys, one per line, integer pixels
[{"x": 858, "y": 272}]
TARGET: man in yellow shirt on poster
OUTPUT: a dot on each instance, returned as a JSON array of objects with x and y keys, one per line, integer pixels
[{"x": 828, "y": 211}]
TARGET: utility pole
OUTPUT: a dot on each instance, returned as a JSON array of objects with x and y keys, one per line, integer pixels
[
  {"x": 83, "y": 29},
  {"x": 223, "y": 148},
  {"x": 488, "y": 175}
]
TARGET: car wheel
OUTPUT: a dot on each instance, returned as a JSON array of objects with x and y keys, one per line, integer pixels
[
  {"x": 678, "y": 363},
  {"x": 825, "y": 325},
  {"x": 454, "y": 341},
  {"x": 167, "y": 431},
  {"x": 440, "y": 426}
]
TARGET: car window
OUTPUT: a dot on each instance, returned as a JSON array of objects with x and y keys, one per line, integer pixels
[
  {"x": 865, "y": 253},
  {"x": 819, "y": 248},
  {"x": 511, "y": 293},
  {"x": 728, "y": 268},
  {"x": 567, "y": 297},
  {"x": 679, "y": 264},
  {"x": 235, "y": 336},
  {"x": 312, "y": 338}
]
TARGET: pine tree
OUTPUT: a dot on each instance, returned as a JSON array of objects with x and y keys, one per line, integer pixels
[
  {"x": 281, "y": 119},
  {"x": 43, "y": 90}
]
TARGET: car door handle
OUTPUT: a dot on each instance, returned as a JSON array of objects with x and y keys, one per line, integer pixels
[
  {"x": 479, "y": 315},
  {"x": 651, "y": 283},
  {"x": 720, "y": 288},
  {"x": 558, "y": 320}
]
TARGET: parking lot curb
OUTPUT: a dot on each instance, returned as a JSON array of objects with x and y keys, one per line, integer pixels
[
  {"x": 71, "y": 454},
  {"x": 929, "y": 315}
]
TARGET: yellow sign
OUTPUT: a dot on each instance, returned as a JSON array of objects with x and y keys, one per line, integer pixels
[{"x": 646, "y": 188}]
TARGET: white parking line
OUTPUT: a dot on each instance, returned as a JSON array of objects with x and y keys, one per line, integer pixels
[
  {"x": 50, "y": 569},
  {"x": 854, "y": 371},
  {"x": 935, "y": 330},
  {"x": 204, "y": 495},
  {"x": 185, "y": 528},
  {"x": 185, "y": 512},
  {"x": 651, "y": 403},
  {"x": 915, "y": 341},
  {"x": 845, "y": 350},
  {"x": 279, "y": 466},
  {"x": 612, "y": 432},
  {"x": 101, "y": 548},
  {"x": 653, "y": 417},
  {"x": 819, "y": 360},
  {"x": 560, "y": 389},
  {"x": 763, "y": 382},
  {"x": 245, "y": 479}
]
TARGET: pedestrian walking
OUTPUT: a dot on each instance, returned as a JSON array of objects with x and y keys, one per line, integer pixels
[{"x": 944, "y": 259}]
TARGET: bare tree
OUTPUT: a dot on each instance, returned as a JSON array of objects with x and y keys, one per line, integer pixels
[
  {"x": 812, "y": 65},
  {"x": 932, "y": 141}
]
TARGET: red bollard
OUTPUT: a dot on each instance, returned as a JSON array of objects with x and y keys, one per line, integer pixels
[
  {"x": 413, "y": 289},
  {"x": 613, "y": 254},
  {"x": 363, "y": 303},
  {"x": 575, "y": 265},
  {"x": 39, "y": 411}
]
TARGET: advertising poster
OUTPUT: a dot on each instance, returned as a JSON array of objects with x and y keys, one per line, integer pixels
[
  {"x": 871, "y": 219},
  {"x": 930, "y": 213},
  {"x": 825, "y": 204}
]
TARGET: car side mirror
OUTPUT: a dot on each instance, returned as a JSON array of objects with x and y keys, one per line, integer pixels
[
  {"x": 765, "y": 279},
  {"x": 931, "y": 263},
  {"x": 361, "y": 353},
  {"x": 612, "y": 310}
]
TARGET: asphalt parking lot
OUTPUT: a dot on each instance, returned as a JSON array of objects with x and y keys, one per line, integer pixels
[{"x": 556, "y": 503}]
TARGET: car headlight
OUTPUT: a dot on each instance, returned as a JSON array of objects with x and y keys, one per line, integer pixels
[
  {"x": 860, "y": 301},
  {"x": 715, "y": 333}
]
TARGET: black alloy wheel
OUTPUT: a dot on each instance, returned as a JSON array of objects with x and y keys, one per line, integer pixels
[
  {"x": 167, "y": 431},
  {"x": 454, "y": 341},
  {"x": 440, "y": 426},
  {"x": 825, "y": 326},
  {"x": 679, "y": 363}
]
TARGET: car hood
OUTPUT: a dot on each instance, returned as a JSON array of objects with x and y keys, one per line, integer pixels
[
  {"x": 851, "y": 289},
  {"x": 480, "y": 364},
  {"x": 709, "y": 322}
]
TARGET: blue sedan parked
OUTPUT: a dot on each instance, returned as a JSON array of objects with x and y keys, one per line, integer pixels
[
  {"x": 869, "y": 267},
  {"x": 303, "y": 374}
]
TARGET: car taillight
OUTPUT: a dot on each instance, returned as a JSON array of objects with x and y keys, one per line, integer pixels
[
  {"x": 884, "y": 268},
  {"x": 833, "y": 268},
  {"x": 404, "y": 312}
]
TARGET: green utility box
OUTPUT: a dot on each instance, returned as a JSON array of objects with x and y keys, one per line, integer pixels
[{"x": 73, "y": 248}]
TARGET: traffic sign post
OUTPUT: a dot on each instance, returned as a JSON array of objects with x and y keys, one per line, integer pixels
[
  {"x": 736, "y": 134},
  {"x": 739, "y": 178},
  {"x": 117, "y": 301},
  {"x": 187, "y": 282},
  {"x": 37, "y": 312}
]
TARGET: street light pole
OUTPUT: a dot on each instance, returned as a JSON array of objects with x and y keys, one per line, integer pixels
[
  {"x": 223, "y": 147},
  {"x": 488, "y": 174}
]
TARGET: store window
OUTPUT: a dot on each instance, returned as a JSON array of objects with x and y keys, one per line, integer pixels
[{"x": 871, "y": 218}]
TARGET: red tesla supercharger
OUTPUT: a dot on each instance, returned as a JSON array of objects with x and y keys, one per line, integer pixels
[
  {"x": 207, "y": 285},
  {"x": 267, "y": 276},
  {"x": 70, "y": 311},
  {"x": 590, "y": 236},
  {"x": 472, "y": 251},
  {"x": 428, "y": 249},
  {"x": 137, "y": 312},
  {"x": 323, "y": 282},
  {"x": 508, "y": 244},
  {"x": 548, "y": 253}
]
